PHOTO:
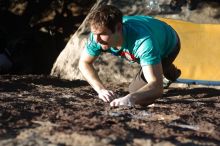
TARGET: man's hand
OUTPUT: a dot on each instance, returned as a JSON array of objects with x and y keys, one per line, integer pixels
[
  {"x": 123, "y": 101},
  {"x": 106, "y": 95}
]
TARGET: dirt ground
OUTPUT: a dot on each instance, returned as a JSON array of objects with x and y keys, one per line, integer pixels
[{"x": 42, "y": 110}]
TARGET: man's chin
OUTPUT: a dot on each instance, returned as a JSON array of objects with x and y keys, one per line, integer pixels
[{"x": 105, "y": 47}]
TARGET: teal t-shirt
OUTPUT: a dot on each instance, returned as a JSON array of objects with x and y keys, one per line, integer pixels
[{"x": 146, "y": 41}]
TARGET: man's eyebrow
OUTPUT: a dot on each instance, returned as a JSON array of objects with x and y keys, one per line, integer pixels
[{"x": 99, "y": 33}]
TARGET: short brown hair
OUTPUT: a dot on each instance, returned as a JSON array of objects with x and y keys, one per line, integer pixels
[{"x": 106, "y": 16}]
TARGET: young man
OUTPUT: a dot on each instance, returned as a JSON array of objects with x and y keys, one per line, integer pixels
[{"x": 142, "y": 39}]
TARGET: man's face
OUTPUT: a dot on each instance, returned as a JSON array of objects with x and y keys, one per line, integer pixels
[{"x": 105, "y": 37}]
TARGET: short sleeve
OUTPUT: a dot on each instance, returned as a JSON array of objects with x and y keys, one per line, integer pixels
[
  {"x": 93, "y": 48},
  {"x": 149, "y": 52}
]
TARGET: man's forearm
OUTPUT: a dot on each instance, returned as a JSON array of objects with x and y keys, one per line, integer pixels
[
  {"x": 147, "y": 94},
  {"x": 91, "y": 76}
]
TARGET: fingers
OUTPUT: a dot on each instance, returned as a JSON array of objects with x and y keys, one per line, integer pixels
[
  {"x": 117, "y": 102},
  {"x": 112, "y": 94},
  {"x": 123, "y": 101},
  {"x": 107, "y": 95},
  {"x": 114, "y": 103},
  {"x": 105, "y": 99}
]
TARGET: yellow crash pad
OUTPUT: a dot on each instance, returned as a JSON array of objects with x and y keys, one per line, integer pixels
[{"x": 199, "y": 57}]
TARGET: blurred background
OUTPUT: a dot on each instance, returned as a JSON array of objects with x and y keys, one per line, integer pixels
[{"x": 34, "y": 32}]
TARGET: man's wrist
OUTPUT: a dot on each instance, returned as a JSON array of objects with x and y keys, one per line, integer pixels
[
  {"x": 99, "y": 90},
  {"x": 131, "y": 99}
]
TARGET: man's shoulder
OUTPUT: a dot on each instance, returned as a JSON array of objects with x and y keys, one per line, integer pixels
[
  {"x": 136, "y": 17},
  {"x": 93, "y": 48},
  {"x": 91, "y": 41}
]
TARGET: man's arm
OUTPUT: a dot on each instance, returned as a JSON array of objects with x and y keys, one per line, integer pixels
[
  {"x": 153, "y": 89},
  {"x": 149, "y": 92},
  {"x": 88, "y": 71}
]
